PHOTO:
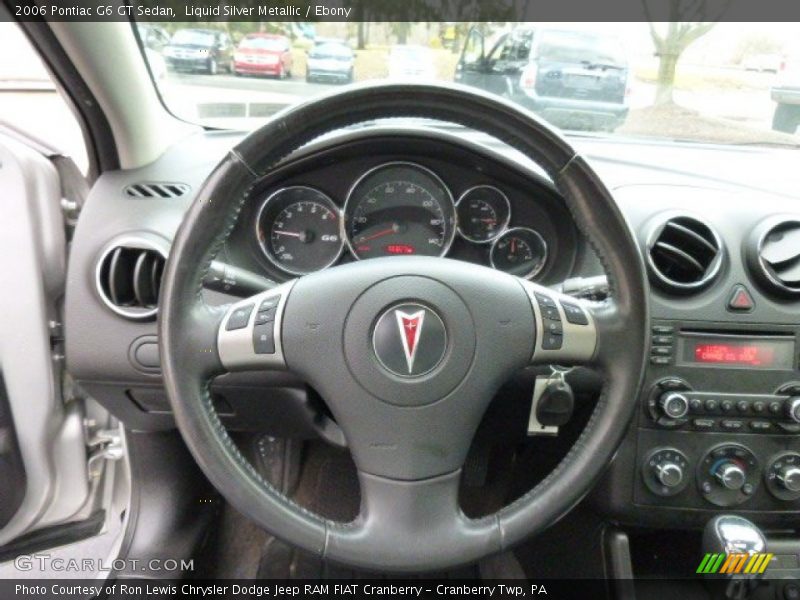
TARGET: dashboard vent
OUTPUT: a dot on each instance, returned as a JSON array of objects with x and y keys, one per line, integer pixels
[
  {"x": 778, "y": 255},
  {"x": 684, "y": 254},
  {"x": 156, "y": 190},
  {"x": 129, "y": 278}
]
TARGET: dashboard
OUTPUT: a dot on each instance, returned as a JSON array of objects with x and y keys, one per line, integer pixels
[{"x": 718, "y": 422}]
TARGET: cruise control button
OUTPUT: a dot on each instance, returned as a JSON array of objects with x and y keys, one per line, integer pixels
[
  {"x": 265, "y": 316},
  {"x": 239, "y": 318},
  {"x": 264, "y": 338},
  {"x": 574, "y": 314},
  {"x": 269, "y": 303},
  {"x": 731, "y": 425},
  {"x": 553, "y": 327}
]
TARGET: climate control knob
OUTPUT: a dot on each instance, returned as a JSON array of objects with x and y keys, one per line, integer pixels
[
  {"x": 783, "y": 476},
  {"x": 669, "y": 474},
  {"x": 789, "y": 478},
  {"x": 674, "y": 405},
  {"x": 731, "y": 476}
]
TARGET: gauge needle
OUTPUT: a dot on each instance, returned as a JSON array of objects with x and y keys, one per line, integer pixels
[
  {"x": 302, "y": 236},
  {"x": 379, "y": 234}
]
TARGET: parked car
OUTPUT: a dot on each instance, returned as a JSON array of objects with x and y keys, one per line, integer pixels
[
  {"x": 264, "y": 54},
  {"x": 206, "y": 50},
  {"x": 411, "y": 62},
  {"x": 153, "y": 36},
  {"x": 786, "y": 93},
  {"x": 574, "y": 79},
  {"x": 330, "y": 60}
]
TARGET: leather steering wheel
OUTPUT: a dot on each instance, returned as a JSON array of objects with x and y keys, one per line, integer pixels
[{"x": 407, "y": 401}]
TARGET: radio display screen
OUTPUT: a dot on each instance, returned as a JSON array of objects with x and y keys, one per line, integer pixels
[{"x": 772, "y": 352}]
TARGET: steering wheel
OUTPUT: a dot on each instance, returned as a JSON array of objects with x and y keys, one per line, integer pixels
[{"x": 407, "y": 352}]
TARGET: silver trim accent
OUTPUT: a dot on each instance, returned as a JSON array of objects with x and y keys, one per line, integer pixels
[
  {"x": 236, "y": 347},
  {"x": 265, "y": 246},
  {"x": 368, "y": 172},
  {"x": 765, "y": 269},
  {"x": 535, "y": 271},
  {"x": 579, "y": 341},
  {"x": 713, "y": 269},
  {"x": 506, "y": 221},
  {"x": 136, "y": 241}
]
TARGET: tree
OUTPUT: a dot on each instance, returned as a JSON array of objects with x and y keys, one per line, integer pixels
[{"x": 682, "y": 29}]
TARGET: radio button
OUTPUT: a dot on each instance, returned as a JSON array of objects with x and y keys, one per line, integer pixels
[
  {"x": 759, "y": 406},
  {"x": 704, "y": 423},
  {"x": 661, "y": 350},
  {"x": 743, "y": 406},
  {"x": 663, "y": 329},
  {"x": 731, "y": 424},
  {"x": 662, "y": 340},
  {"x": 659, "y": 360},
  {"x": 760, "y": 425},
  {"x": 696, "y": 405},
  {"x": 674, "y": 405},
  {"x": 711, "y": 405},
  {"x": 726, "y": 405},
  {"x": 775, "y": 407}
]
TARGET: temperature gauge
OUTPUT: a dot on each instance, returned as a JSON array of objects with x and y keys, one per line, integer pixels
[
  {"x": 483, "y": 214},
  {"x": 519, "y": 251}
]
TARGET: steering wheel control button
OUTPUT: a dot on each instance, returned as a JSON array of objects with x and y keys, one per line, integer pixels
[
  {"x": 239, "y": 318},
  {"x": 409, "y": 340},
  {"x": 740, "y": 300},
  {"x": 264, "y": 338},
  {"x": 728, "y": 475},
  {"x": 664, "y": 471},
  {"x": 553, "y": 327},
  {"x": 265, "y": 316},
  {"x": 574, "y": 314},
  {"x": 270, "y": 303},
  {"x": 552, "y": 342}
]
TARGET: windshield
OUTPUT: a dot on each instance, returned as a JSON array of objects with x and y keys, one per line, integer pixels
[
  {"x": 331, "y": 50},
  {"x": 192, "y": 37},
  {"x": 724, "y": 82},
  {"x": 260, "y": 43}
]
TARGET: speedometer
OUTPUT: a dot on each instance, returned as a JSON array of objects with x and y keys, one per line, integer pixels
[{"x": 399, "y": 208}]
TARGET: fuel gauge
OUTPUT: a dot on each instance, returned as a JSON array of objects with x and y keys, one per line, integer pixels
[
  {"x": 483, "y": 213},
  {"x": 519, "y": 251}
]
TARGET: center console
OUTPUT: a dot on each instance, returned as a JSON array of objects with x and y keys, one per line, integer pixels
[{"x": 717, "y": 426}]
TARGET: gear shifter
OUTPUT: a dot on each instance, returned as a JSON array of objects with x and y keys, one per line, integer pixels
[{"x": 730, "y": 534}]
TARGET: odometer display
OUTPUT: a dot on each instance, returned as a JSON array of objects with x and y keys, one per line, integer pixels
[
  {"x": 298, "y": 229},
  {"x": 399, "y": 209}
]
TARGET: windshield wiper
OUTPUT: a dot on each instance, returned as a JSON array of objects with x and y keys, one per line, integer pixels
[{"x": 600, "y": 65}]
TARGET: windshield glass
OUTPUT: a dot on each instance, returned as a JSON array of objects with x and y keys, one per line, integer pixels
[
  {"x": 193, "y": 37},
  {"x": 725, "y": 82},
  {"x": 260, "y": 43}
]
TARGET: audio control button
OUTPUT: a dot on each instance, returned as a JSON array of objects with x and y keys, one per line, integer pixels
[
  {"x": 775, "y": 407},
  {"x": 731, "y": 424},
  {"x": 704, "y": 423},
  {"x": 742, "y": 406},
  {"x": 674, "y": 405},
  {"x": 760, "y": 426},
  {"x": 793, "y": 409},
  {"x": 759, "y": 406},
  {"x": 711, "y": 405},
  {"x": 696, "y": 405},
  {"x": 726, "y": 405}
]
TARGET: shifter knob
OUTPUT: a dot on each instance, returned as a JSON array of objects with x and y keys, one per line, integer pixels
[{"x": 733, "y": 535}]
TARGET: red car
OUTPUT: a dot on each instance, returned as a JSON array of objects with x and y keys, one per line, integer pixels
[{"x": 263, "y": 54}]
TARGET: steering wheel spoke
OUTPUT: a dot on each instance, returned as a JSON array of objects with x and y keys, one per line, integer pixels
[
  {"x": 249, "y": 335},
  {"x": 414, "y": 521}
]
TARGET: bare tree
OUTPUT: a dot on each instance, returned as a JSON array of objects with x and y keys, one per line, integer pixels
[{"x": 686, "y": 22}]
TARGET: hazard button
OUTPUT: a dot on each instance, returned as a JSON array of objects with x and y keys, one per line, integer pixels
[{"x": 740, "y": 299}]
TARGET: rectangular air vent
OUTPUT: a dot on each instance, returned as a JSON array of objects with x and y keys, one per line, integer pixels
[{"x": 156, "y": 190}]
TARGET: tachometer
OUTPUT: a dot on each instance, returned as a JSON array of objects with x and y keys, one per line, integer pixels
[
  {"x": 399, "y": 208},
  {"x": 298, "y": 229}
]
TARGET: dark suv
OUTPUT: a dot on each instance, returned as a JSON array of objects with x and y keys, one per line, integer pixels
[
  {"x": 200, "y": 50},
  {"x": 574, "y": 79}
]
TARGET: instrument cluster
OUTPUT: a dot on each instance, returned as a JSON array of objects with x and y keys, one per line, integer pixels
[{"x": 395, "y": 208}]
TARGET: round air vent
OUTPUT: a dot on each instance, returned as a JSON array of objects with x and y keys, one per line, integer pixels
[
  {"x": 684, "y": 254},
  {"x": 129, "y": 277},
  {"x": 773, "y": 255}
]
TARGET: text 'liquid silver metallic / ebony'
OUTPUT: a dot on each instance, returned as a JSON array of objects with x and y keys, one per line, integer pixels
[{"x": 409, "y": 340}]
